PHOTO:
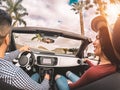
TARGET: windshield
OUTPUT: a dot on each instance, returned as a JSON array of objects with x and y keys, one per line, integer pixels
[{"x": 58, "y": 45}]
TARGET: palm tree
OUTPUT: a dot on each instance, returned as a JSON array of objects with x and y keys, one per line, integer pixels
[
  {"x": 65, "y": 50},
  {"x": 86, "y": 4},
  {"x": 19, "y": 19},
  {"x": 73, "y": 50},
  {"x": 38, "y": 37},
  {"x": 78, "y": 7},
  {"x": 16, "y": 10}
]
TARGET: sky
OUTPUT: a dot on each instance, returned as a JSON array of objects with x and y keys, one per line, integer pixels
[
  {"x": 54, "y": 14},
  {"x": 58, "y": 14}
]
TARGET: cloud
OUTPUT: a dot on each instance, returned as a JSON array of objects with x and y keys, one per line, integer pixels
[
  {"x": 53, "y": 13},
  {"x": 56, "y": 14}
]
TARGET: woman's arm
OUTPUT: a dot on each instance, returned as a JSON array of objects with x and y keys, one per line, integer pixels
[{"x": 88, "y": 62}]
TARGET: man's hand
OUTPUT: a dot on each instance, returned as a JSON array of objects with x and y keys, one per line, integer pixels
[
  {"x": 47, "y": 76},
  {"x": 24, "y": 48}
]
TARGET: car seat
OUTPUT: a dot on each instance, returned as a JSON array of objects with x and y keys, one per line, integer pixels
[
  {"x": 5, "y": 86},
  {"x": 111, "y": 82}
]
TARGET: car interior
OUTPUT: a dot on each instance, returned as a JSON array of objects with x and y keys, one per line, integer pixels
[
  {"x": 110, "y": 82},
  {"x": 49, "y": 54}
]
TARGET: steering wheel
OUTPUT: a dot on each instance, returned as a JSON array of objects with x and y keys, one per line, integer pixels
[{"x": 26, "y": 59}]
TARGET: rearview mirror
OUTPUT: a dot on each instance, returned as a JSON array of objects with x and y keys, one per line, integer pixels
[{"x": 47, "y": 40}]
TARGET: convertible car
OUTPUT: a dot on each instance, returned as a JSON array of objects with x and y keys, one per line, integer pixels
[{"x": 55, "y": 51}]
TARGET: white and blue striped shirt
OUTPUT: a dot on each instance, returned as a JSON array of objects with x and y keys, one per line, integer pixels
[{"x": 15, "y": 76}]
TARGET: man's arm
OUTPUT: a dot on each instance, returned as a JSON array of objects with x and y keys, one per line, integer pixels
[
  {"x": 14, "y": 54},
  {"x": 23, "y": 81}
]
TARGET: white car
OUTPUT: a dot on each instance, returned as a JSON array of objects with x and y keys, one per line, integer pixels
[{"x": 55, "y": 51}]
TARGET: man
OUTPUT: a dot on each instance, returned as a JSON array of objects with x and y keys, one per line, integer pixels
[{"x": 10, "y": 73}]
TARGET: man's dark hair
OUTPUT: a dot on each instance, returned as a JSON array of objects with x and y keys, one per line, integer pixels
[
  {"x": 4, "y": 16},
  {"x": 5, "y": 24}
]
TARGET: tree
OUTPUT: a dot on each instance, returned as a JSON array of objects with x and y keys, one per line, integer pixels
[
  {"x": 18, "y": 18},
  {"x": 16, "y": 10},
  {"x": 65, "y": 50},
  {"x": 38, "y": 37},
  {"x": 73, "y": 50},
  {"x": 78, "y": 7},
  {"x": 86, "y": 4}
]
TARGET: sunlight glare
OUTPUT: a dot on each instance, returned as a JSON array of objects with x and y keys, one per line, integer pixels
[{"x": 113, "y": 10}]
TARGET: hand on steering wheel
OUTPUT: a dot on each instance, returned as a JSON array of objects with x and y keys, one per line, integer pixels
[
  {"x": 26, "y": 59},
  {"x": 24, "y": 48}
]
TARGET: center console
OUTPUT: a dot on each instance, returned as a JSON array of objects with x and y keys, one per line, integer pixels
[
  {"x": 44, "y": 60},
  {"x": 50, "y": 71}
]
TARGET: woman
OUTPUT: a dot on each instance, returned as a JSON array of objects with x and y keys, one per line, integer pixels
[{"x": 103, "y": 48}]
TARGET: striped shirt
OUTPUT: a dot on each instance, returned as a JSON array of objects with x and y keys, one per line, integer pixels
[{"x": 15, "y": 76}]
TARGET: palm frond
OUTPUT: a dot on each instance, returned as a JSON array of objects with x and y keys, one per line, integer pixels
[
  {"x": 18, "y": 2},
  {"x": 10, "y": 3},
  {"x": 33, "y": 38},
  {"x": 22, "y": 21}
]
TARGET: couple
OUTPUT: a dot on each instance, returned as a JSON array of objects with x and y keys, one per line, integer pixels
[{"x": 109, "y": 59}]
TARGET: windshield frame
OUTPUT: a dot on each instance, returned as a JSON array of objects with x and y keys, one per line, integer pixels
[{"x": 50, "y": 31}]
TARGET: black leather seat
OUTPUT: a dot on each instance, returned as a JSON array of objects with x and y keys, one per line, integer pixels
[
  {"x": 5, "y": 86},
  {"x": 111, "y": 82}
]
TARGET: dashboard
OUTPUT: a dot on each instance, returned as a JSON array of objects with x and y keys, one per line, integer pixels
[{"x": 56, "y": 60}]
